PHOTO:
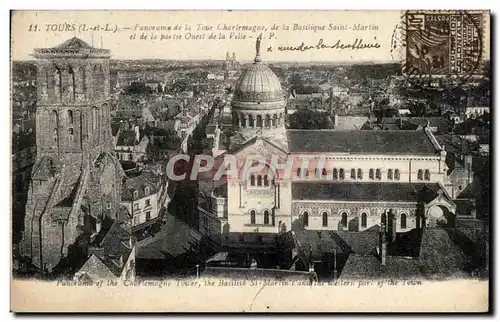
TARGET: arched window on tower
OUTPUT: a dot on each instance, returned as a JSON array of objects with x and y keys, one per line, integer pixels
[
  {"x": 275, "y": 120},
  {"x": 268, "y": 120},
  {"x": 71, "y": 135},
  {"x": 259, "y": 121},
  {"x": 325, "y": 219},
  {"x": 71, "y": 84},
  {"x": 70, "y": 117},
  {"x": 57, "y": 84}
]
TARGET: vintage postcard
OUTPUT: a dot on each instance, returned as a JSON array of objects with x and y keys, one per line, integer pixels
[{"x": 250, "y": 161}]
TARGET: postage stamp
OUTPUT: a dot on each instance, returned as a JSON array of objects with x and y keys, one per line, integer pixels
[{"x": 443, "y": 43}]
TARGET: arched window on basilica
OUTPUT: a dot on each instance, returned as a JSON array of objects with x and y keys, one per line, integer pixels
[
  {"x": 268, "y": 121},
  {"x": 360, "y": 174},
  {"x": 57, "y": 84},
  {"x": 353, "y": 173},
  {"x": 343, "y": 221},
  {"x": 305, "y": 218},
  {"x": 427, "y": 175},
  {"x": 259, "y": 181},
  {"x": 371, "y": 174},
  {"x": 378, "y": 174},
  {"x": 252, "y": 217},
  {"x": 397, "y": 175},
  {"x": 363, "y": 220},
  {"x": 335, "y": 174},
  {"x": 259, "y": 121},
  {"x": 323, "y": 172},
  {"x": 403, "y": 221},
  {"x": 71, "y": 84},
  {"x": 266, "y": 217},
  {"x": 251, "y": 121},
  {"x": 420, "y": 174},
  {"x": 325, "y": 219},
  {"x": 389, "y": 174},
  {"x": 252, "y": 180},
  {"x": 266, "y": 181},
  {"x": 275, "y": 120},
  {"x": 341, "y": 174}
]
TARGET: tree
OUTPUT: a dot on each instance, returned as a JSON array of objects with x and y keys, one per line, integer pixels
[
  {"x": 138, "y": 88},
  {"x": 310, "y": 119}
]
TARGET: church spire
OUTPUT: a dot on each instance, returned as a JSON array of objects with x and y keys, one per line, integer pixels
[{"x": 257, "y": 49}]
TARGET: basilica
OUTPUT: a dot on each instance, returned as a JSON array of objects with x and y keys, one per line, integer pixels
[{"x": 354, "y": 181}]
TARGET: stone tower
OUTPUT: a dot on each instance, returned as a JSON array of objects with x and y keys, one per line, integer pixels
[{"x": 76, "y": 179}]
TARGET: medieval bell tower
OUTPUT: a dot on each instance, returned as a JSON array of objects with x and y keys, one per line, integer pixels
[
  {"x": 76, "y": 177},
  {"x": 73, "y": 113}
]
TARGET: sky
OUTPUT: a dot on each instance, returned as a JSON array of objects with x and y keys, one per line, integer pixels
[{"x": 120, "y": 31}]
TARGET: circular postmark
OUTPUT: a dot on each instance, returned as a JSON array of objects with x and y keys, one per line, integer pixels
[{"x": 439, "y": 48}]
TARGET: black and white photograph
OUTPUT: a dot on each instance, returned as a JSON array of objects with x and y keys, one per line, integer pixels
[{"x": 211, "y": 153}]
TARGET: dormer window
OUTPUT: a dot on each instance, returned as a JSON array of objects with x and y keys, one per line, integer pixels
[
  {"x": 136, "y": 194},
  {"x": 146, "y": 191}
]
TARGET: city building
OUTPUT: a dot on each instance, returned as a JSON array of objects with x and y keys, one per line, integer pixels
[
  {"x": 142, "y": 196},
  {"x": 131, "y": 145},
  {"x": 76, "y": 178}
]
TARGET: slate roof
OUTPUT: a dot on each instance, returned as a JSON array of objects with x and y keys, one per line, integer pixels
[
  {"x": 126, "y": 138},
  {"x": 362, "y": 141},
  {"x": 175, "y": 238},
  {"x": 138, "y": 183},
  {"x": 94, "y": 269},
  {"x": 74, "y": 43},
  {"x": 365, "y": 191},
  {"x": 115, "y": 245},
  {"x": 370, "y": 267},
  {"x": 442, "y": 253}
]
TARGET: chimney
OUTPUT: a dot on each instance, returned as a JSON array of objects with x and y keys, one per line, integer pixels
[
  {"x": 383, "y": 245},
  {"x": 311, "y": 263},
  {"x": 137, "y": 134},
  {"x": 391, "y": 229},
  {"x": 98, "y": 226}
]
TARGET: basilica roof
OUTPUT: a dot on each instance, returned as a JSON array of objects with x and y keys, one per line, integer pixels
[
  {"x": 365, "y": 191},
  {"x": 362, "y": 142},
  {"x": 258, "y": 83}
]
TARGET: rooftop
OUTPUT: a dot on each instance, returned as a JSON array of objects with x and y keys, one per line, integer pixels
[
  {"x": 138, "y": 183},
  {"x": 365, "y": 191},
  {"x": 361, "y": 142}
]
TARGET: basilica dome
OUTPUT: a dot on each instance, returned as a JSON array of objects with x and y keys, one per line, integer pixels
[{"x": 258, "y": 83}]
